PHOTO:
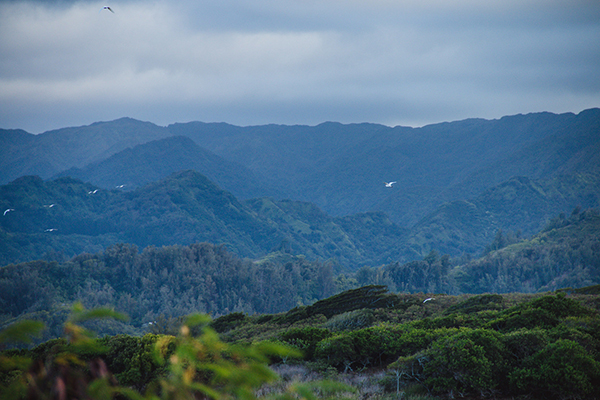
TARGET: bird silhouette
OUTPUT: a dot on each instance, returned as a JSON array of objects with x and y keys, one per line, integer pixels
[
  {"x": 389, "y": 184},
  {"x": 107, "y": 8}
]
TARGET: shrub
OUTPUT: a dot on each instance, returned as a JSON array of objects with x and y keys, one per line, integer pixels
[
  {"x": 351, "y": 320},
  {"x": 194, "y": 367},
  {"x": 560, "y": 370},
  {"x": 469, "y": 361},
  {"x": 229, "y": 321},
  {"x": 477, "y": 303},
  {"x": 305, "y": 339}
]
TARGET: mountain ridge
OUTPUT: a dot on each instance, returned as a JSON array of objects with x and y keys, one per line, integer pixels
[
  {"x": 151, "y": 161},
  {"x": 51, "y": 152}
]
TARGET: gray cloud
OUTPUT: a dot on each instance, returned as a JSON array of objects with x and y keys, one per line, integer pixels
[{"x": 297, "y": 61}]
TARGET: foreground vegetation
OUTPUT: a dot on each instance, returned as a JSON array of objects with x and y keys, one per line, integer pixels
[
  {"x": 162, "y": 367},
  {"x": 379, "y": 343}
]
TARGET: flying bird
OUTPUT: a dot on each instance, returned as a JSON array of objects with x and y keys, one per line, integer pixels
[
  {"x": 49, "y": 205},
  {"x": 50, "y": 230},
  {"x": 107, "y": 8},
  {"x": 428, "y": 299},
  {"x": 92, "y": 191},
  {"x": 7, "y": 210},
  {"x": 120, "y": 186},
  {"x": 389, "y": 184}
]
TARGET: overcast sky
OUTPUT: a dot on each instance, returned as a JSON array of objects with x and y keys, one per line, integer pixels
[{"x": 250, "y": 62}]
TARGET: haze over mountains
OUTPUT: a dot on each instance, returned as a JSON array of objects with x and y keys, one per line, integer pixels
[
  {"x": 458, "y": 183},
  {"x": 155, "y": 160}
]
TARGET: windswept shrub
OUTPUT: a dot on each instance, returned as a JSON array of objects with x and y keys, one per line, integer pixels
[
  {"x": 372, "y": 347},
  {"x": 467, "y": 362},
  {"x": 371, "y": 297},
  {"x": 229, "y": 321},
  {"x": 522, "y": 344},
  {"x": 559, "y": 306},
  {"x": 350, "y": 320},
  {"x": 305, "y": 339},
  {"x": 544, "y": 312},
  {"x": 525, "y": 319},
  {"x": 477, "y": 303},
  {"x": 560, "y": 370},
  {"x": 131, "y": 359},
  {"x": 338, "y": 351}
]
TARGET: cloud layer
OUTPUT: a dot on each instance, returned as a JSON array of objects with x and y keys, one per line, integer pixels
[{"x": 400, "y": 62}]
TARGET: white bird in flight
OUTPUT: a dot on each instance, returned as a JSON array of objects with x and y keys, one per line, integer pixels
[
  {"x": 389, "y": 184},
  {"x": 49, "y": 205},
  {"x": 92, "y": 191},
  {"x": 428, "y": 299},
  {"x": 7, "y": 210},
  {"x": 107, "y": 8},
  {"x": 50, "y": 230},
  {"x": 120, "y": 186}
]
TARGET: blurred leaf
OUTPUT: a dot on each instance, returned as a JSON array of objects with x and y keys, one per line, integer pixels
[
  {"x": 197, "y": 319},
  {"x": 14, "y": 362},
  {"x": 21, "y": 331},
  {"x": 80, "y": 314}
]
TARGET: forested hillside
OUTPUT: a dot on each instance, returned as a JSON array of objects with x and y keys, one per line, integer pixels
[
  {"x": 169, "y": 282},
  {"x": 565, "y": 254},
  {"x": 341, "y": 168},
  {"x": 164, "y": 283},
  {"x": 54, "y": 151},
  {"x": 65, "y": 217},
  {"x": 155, "y": 160},
  {"x": 68, "y": 216}
]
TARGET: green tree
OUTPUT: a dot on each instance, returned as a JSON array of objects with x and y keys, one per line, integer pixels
[
  {"x": 470, "y": 361},
  {"x": 563, "y": 369}
]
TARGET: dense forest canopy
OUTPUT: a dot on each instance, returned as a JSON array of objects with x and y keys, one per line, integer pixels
[
  {"x": 68, "y": 216},
  {"x": 61, "y": 218},
  {"x": 172, "y": 281}
]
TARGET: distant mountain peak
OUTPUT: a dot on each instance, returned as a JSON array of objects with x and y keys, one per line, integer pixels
[{"x": 144, "y": 163}]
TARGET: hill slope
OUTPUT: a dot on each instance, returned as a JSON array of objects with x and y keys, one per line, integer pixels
[
  {"x": 521, "y": 205},
  {"x": 69, "y": 216},
  {"x": 341, "y": 168},
  {"x": 155, "y": 160},
  {"x": 565, "y": 254},
  {"x": 51, "y": 152}
]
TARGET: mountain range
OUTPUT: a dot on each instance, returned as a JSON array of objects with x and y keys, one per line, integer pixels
[{"x": 315, "y": 190}]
